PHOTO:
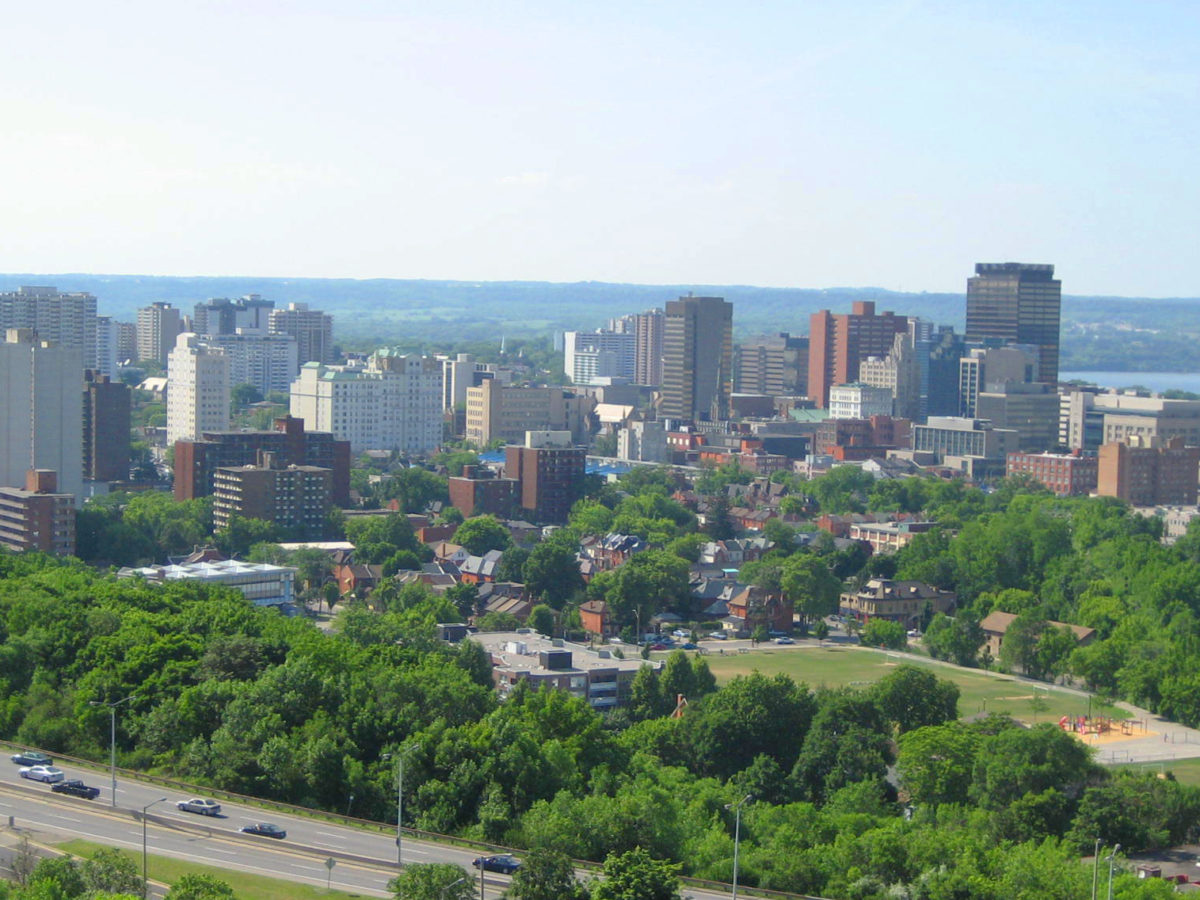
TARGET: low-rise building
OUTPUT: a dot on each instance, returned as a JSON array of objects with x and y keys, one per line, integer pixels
[
  {"x": 995, "y": 625},
  {"x": 262, "y": 584},
  {"x": 897, "y": 601},
  {"x": 38, "y": 517},
  {"x": 1066, "y": 474},
  {"x": 1149, "y": 472},
  {"x": 888, "y": 537},
  {"x": 479, "y": 491}
]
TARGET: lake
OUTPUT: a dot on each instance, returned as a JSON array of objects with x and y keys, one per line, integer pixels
[{"x": 1155, "y": 381}]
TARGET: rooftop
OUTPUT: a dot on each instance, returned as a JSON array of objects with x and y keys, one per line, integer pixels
[{"x": 518, "y": 651}]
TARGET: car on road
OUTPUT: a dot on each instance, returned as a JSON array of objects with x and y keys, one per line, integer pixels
[
  {"x": 658, "y": 646},
  {"x": 198, "y": 805},
  {"x": 31, "y": 758},
  {"x": 504, "y": 863},
  {"x": 266, "y": 829},
  {"x": 689, "y": 646},
  {"x": 46, "y": 774},
  {"x": 718, "y": 635},
  {"x": 76, "y": 788},
  {"x": 784, "y": 640}
]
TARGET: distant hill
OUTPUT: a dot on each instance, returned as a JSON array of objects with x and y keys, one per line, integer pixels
[{"x": 374, "y": 311}]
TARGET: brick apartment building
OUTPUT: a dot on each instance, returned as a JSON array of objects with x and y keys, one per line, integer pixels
[
  {"x": 1066, "y": 474},
  {"x": 295, "y": 497},
  {"x": 38, "y": 517},
  {"x": 1158, "y": 473},
  {"x": 480, "y": 491},
  {"x": 839, "y": 342},
  {"x": 106, "y": 418},
  {"x": 550, "y": 471}
]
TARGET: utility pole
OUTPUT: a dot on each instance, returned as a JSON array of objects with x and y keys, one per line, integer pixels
[
  {"x": 1112, "y": 856},
  {"x": 737, "y": 835},
  {"x": 400, "y": 755},
  {"x": 112, "y": 740},
  {"x": 1096, "y": 867}
]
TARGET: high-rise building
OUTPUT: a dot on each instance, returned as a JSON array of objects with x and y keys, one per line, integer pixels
[
  {"x": 550, "y": 472},
  {"x": 291, "y": 496},
  {"x": 775, "y": 365},
  {"x": 108, "y": 356},
  {"x": 1149, "y": 472},
  {"x": 1017, "y": 302},
  {"x": 394, "y": 402},
  {"x": 647, "y": 329},
  {"x": 899, "y": 371},
  {"x": 312, "y": 329},
  {"x": 984, "y": 367},
  {"x": 41, "y": 421},
  {"x": 839, "y": 342},
  {"x": 199, "y": 388},
  {"x": 126, "y": 341},
  {"x": 249, "y": 314},
  {"x": 458, "y": 374},
  {"x": 697, "y": 359},
  {"x": 1030, "y": 409},
  {"x": 267, "y": 361},
  {"x": 499, "y": 412},
  {"x": 592, "y": 357},
  {"x": 37, "y": 517},
  {"x": 66, "y": 319},
  {"x": 106, "y": 420},
  {"x": 158, "y": 325}
]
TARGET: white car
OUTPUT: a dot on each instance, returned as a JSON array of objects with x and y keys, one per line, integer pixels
[
  {"x": 47, "y": 774},
  {"x": 718, "y": 635},
  {"x": 201, "y": 806}
]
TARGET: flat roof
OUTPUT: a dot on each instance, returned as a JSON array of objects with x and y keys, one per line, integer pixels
[{"x": 583, "y": 658}]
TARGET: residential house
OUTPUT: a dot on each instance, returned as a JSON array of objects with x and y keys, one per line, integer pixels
[
  {"x": 480, "y": 569},
  {"x": 753, "y": 607},
  {"x": 905, "y": 602},
  {"x": 996, "y": 624}
]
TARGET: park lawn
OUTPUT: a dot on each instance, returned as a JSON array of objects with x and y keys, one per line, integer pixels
[
  {"x": 840, "y": 666},
  {"x": 246, "y": 885},
  {"x": 1186, "y": 771}
]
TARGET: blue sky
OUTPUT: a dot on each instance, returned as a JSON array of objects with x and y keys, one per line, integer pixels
[{"x": 803, "y": 144}]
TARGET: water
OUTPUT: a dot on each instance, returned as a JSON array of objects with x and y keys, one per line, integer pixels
[{"x": 1155, "y": 381}]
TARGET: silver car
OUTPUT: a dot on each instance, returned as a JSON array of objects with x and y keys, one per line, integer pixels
[{"x": 47, "y": 774}]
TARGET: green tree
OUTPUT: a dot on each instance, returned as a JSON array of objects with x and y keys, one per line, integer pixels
[
  {"x": 480, "y": 534},
  {"x": 956, "y": 639},
  {"x": 242, "y": 395},
  {"x": 912, "y": 697},
  {"x": 432, "y": 881},
  {"x": 552, "y": 572},
  {"x": 935, "y": 762},
  {"x": 113, "y": 871},
  {"x": 546, "y": 875},
  {"x": 541, "y": 619},
  {"x": 808, "y": 582},
  {"x": 194, "y": 886},
  {"x": 1016, "y": 762},
  {"x": 884, "y": 633},
  {"x": 636, "y": 875}
]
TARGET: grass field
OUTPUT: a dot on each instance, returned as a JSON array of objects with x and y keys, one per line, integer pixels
[
  {"x": 854, "y": 666},
  {"x": 1186, "y": 771},
  {"x": 247, "y": 886}
]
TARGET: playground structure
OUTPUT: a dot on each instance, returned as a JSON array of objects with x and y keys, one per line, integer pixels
[{"x": 1101, "y": 727}]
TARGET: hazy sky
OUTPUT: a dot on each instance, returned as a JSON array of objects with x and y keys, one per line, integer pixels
[{"x": 806, "y": 144}]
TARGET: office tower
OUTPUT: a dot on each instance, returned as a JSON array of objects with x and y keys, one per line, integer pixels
[
  {"x": 196, "y": 462},
  {"x": 37, "y": 517},
  {"x": 593, "y": 357},
  {"x": 939, "y": 396},
  {"x": 291, "y": 496},
  {"x": 500, "y": 412},
  {"x": 984, "y": 367},
  {"x": 158, "y": 325},
  {"x": 199, "y": 389},
  {"x": 776, "y": 365},
  {"x": 126, "y": 342},
  {"x": 697, "y": 359},
  {"x": 267, "y": 361},
  {"x": 41, "y": 422},
  {"x": 106, "y": 419},
  {"x": 859, "y": 401},
  {"x": 395, "y": 402},
  {"x": 312, "y": 329},
  {"x": 250, "y": 314},
  {"x": 839, "y": 342},
  {"x": 647, "y": 330},
  {"x": 1020, "y": 303},
  {"x": 66, "y": 319},
  {"x": 899, "y": 372},
  {"x": 108, "y": 359},
  {"x": 550, "y": 472}
]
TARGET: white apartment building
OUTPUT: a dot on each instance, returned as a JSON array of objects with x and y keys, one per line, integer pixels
[
  {"x": 458, "y": 374},
  {"x": 859, "y": 401},
  {"x": 198, "y": 375},
  {"x": 158, "y": 325},
  {"x": 108, "y": 338},
  {"x": 589, "y": 356},
  {"x": 66, "y": 319},
  {"x": 312, "y": 329},
  {"x": 267, "y": 361},
  {"x": 395, "y": 402},
  {"x": 41, "y": 410}
]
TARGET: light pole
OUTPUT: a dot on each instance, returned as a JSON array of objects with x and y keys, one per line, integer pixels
[
  {"x": 112, "y": 739},
  {"x": 400, "y": 754},
  {"x": 737, "y": 835},
  {"x": 1111, "y": 857},
  {"x": 450, "y": 885},
  {"x": 145, "y": 880},
  {"x": 1096, "y": 867}
]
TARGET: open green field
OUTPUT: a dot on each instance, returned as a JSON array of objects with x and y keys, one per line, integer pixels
[
  {"x": 247, "y": 886},
  {"x": 1186, "y": 771},
  {"x": 834, "y": 666}
]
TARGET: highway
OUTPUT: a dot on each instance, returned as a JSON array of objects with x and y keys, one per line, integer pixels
[{"x": 364, "y": 861}]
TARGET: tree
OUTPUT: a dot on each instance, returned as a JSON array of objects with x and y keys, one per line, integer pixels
[
  {"x": 512, "y": 565},
  {"x": 432, "y": 881},
  {"x": 808, "y": 582},
  {"x": 541, "y": 619},
  {"x": 111, "y": 870},
  {"x": 480, "y": 534},
  {"x": 884, "y": 633},
  {"x": 1016, "y": 762},
  {"x": 636, "y": 875},
  {"x": 935, "y": 762},
  {"x": 552, "y": 573},
  {"x": 912, "y": 697},
  {"x": 194, "y": 886},
  {"x": 957, "y": 639},
  {"x": 546, "y": 875},
  {"x": 242, "y": 395}
]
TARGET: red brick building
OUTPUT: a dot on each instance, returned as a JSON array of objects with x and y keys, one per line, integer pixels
[
  {"x": 838, "y": 342},
  {"x": 860, "y": 439},
  {"x": 481, "y": 492},
  {"x": 1158, "y": 474},
  {"x": 551, "y": 478},
  {"x": 1066, "y": 474},
  {"x": 38, "y": 517}
]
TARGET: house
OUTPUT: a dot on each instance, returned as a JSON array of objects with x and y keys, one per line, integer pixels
[
  {"x": 357, "y": 579},
  {"x": 444, "y": 551},
  {"x": 753, "y": 607},
  {"x": 888, "y": 537},
  {"x": 594, "y": 615},
  {"x": 897, "y": 601},
  {"x": 479, "y": 569},
  {"x": 996, "y": 624}
]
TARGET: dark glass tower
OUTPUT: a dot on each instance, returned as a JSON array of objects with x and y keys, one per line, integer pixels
[{"x": 1017, "y": 302}]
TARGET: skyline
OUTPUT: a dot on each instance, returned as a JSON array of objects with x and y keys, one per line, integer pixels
[{"x": 879, "y": 144}]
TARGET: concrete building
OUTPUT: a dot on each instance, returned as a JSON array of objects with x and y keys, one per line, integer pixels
[
  {"x": 126, "y": 337},
  {"x": 68, "y": 320},
  {"x": 479, "y": 491},
  {"x": 592, "y": 357},
  {"x": 311, "y": 329},
  {"x": 267, "y": 361},
  {"x": 1149, "y": 472},
  {"x": 458, "y": 374},
  {"x": 158, "y": 326},
  {"x": 497, "y": 412},
  {"x": 774, "y": 365},
  {"x": 249, "y": 314},
  {"x": 594, "y": 675},
  {"x": 697, "y": 359},
  {"x": 261, "y": 583},
  {"x": 643, "y": 442},
  {"x": 1029, "y": 409},
  {"x": 859, "y": 401},
  {"x": 838, "y": 343},
  {"x": 1020, "y": 303},
  {"x": 551, "y": 473},
  {"x": 974, "y": 445},
  {"x": 294, "y": 497},
  {"x": 106, "y": 428},
  {"x": 984, "y": 367},
  {"x": 197, "y": 461},
  {"x": 899, "y": 372},
  {"x": 37, "y": 517},
  {"x": 647, "y": 329},
  {"x": 1066, "y": 474},
  {"x": 888, "y": 537},
  {"x": 41, "y": 421},
  {"x": 1080, "y": 424},
  {"x": 108, "y": 336},
  {"x": 199, "y": 394},
  {"x": 395, "y": 402}
]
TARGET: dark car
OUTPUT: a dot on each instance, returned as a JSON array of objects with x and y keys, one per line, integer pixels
[
  {"x": 266, "y": 829},
  {"x": 76, "y": 788},
  {"x": 504, "y": 863},
  {"x": 31, "y": 758}
]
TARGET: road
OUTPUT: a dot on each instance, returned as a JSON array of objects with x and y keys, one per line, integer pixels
[{"x": 364, "y": 861}]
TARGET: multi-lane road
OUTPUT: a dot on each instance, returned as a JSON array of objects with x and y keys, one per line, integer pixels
[{"x": 363, "y": 861}]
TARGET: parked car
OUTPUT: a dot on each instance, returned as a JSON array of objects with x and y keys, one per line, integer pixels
[
  {"x": 505, "y": 863},
  {"x": 76, "y": 788},
  {"x": 717, "y": 635},
  {"x": 682, "y": 633},
  {"x": 46, "y": 774},
  {"x": 690, "y": 646},
  {"x": 201, "y": 806},
  {"x": 658, "y": 646},
  {"x": 31, "y": 758},
  {"x": 266, "y": 829},
  {"x": 784, "y": 640}
]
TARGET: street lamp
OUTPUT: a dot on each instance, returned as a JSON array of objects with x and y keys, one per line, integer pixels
[
  {"x": 450, "y": 885},
  {"x": 145, "y": 880},
  {"x": 112, "y": 739},
  {"x": 737, "y": 835},
  {"x": 400, "y": 755},
  {"x": 1111, "y": 857},
  {"x": 1096, "y": 867}
]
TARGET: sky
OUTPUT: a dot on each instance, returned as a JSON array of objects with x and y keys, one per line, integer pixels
[{"x": 792, "y": 144}]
